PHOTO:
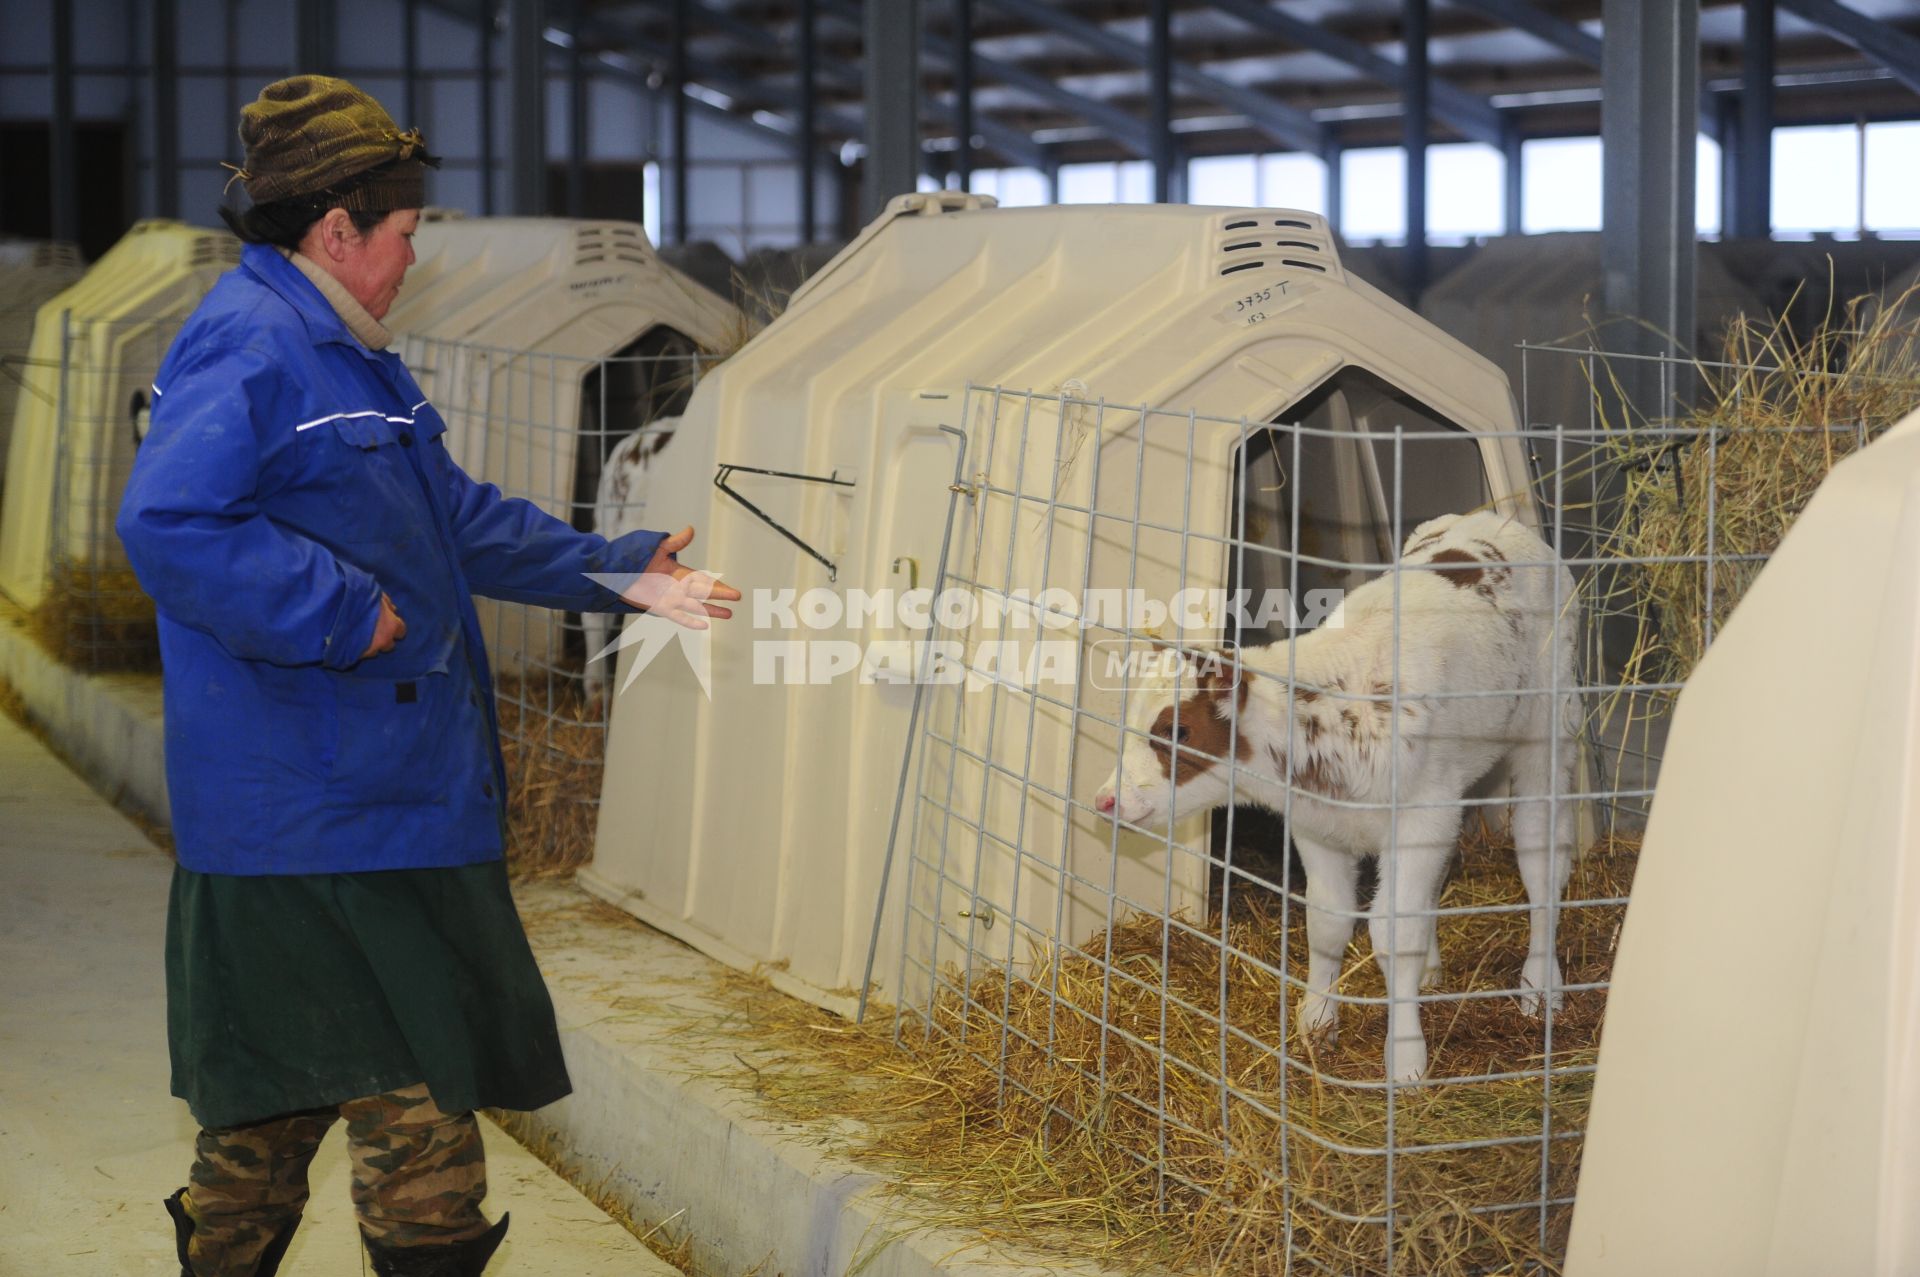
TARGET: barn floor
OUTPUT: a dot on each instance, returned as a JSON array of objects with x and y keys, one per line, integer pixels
[{"x": 90, "y": 1141}]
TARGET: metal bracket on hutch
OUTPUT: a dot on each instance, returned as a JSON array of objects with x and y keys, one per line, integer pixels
[{"x": 720, "y": 482}]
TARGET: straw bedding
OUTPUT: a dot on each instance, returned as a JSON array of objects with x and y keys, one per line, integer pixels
[
  {"x": 1058, "y": 1161},
  {"x": 97, "y": 619},
  {"x": 1027, "y": 1104},
  {"x": 1776, "y": 414},
  {"x": 553, "y": 741}
]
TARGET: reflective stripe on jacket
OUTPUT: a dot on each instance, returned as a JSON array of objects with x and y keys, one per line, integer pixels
[{"x": 290, "y": 476}]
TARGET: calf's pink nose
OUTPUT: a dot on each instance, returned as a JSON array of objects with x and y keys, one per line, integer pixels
[{"x": 1103, "y": 803}]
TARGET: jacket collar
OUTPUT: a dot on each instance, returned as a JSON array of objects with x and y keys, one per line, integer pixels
[
  {"x": 323, "y": 320},
  {"x": 367, "y": 330}
]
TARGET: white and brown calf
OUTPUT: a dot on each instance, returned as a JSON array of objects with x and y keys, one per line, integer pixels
[{"x": 1487, "y": 631}]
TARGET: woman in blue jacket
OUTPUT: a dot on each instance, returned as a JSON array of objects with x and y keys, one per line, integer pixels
[{"x": 341, "y": 941}]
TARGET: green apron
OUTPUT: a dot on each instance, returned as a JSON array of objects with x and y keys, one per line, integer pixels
[{"x": 300, "y": 991}]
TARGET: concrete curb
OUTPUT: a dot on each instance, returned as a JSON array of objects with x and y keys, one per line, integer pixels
[
  {"x": 648, "y": 1124},
  {"x": 661, "y": 1119},
  {"x": 108, "y": 726}
]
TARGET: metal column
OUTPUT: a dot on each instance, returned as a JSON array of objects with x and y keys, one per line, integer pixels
[
  {"x": 1752, "y": 210},
  {"x": 410, "y": 64},
  {"x": 963, "y": 90},
  {"x": 487, "y": 148},
  {"x": 1160, "y": 92},
  {"x": 1649, "y": 113},
  {"x": 1336, "y": 188},
  {"x": 315, "y": 36},
  {"x": 64, "y": 170},
  {"x": 1726, "y": 107},
  {"x": 576, "y": 113},
  {"x": 809, "y": 127},
  {"x": 1513, "y": 148},
  {"x": 681, "y": 167},
  {"x": 892, "y": 33},
  {"x": 527, "y": 91},
  {"x": 230, "y": 36},
  {"x": 1416, "y": 123},
  {"x": 166, "y": 109}
]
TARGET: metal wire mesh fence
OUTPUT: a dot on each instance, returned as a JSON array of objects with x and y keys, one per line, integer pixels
[
  {"x": 575, "y": 436},
  {"x": 82, "y": 415},
  {"x": 31, "y": 273},
  {"x": 1209, "y": 693}
]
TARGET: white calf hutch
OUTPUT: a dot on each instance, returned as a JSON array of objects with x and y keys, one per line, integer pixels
[
  {"x": 1012, "y": 419},
  {"x": 543, "y": 342},
  {"x": 756, "y": 826},
  {"x": 1758, "y": 1102},
  {"x": 1547, "y": 290},
  {"x": 95, "y": 349},
  {"x": 31, "y": 272}
]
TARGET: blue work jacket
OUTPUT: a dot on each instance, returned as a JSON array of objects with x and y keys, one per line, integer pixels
[{"x": 290, "y": 476}]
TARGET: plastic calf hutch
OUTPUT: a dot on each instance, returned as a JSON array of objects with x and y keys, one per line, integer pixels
[
  {"x": 73, "y": 435},
  {"x": 1758, "y": 1101},
  {"x": 31, "y": 271},
  {"x": 523, "y": 332},
  {"x": 1546, "y": 290},
  {"x": 754, "y": 824}
]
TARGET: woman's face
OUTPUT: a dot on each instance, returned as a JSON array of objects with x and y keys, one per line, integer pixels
[{"x": 370, "y": 265}]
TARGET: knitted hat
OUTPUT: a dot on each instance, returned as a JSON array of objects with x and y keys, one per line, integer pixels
[{"x": 310, "y": 135}]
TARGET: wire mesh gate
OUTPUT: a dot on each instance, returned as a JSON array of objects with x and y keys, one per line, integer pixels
[
  {"x": 83, "y": 415},
  {"x": 1137, "y": 991},
  {"x": 574, "y": 435}
]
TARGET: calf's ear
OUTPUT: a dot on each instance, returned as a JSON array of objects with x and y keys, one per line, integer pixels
[{"x": 1228, "y": 675}]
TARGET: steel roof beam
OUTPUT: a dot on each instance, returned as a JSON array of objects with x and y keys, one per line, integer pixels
[
  {"x": 1283, "y": 123},
  {"x": 1009, "y": 141},
  {"x": 1573, "y": 41},
  {"x": 1474, "y": 116},
  {"x": 479, "y": 13},
  {"x": 1126, "y": 128},
  {"x": 1541, "y": 25},
  {"x": 1891, "y": 47}
]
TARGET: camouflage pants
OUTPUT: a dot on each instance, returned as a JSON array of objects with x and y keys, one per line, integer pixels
[{"x": 418, "y": 1178}]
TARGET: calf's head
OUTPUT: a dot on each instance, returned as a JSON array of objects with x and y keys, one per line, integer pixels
[{"x": 1181, "y": 729}]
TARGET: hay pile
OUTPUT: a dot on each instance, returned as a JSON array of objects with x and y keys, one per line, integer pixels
[
  {"x": 97, "y": 619},
  {"x": 554, "y": 743},
  {"x": 1772, "y": 423},
  {"x": 1089, "y": 1171}
]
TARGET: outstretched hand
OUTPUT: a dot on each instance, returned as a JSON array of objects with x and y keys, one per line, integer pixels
[{"x": 680, "y": 593}]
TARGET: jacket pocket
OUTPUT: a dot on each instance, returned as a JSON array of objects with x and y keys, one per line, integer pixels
[
  {"x": 370, "y": 430},
  {"x": 396, "y": 740}
]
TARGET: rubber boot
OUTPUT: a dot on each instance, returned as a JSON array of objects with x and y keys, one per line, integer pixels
[
  {"x": 461, "y": 1259},
  {"x": 270, "y": 1258},
  {"x": 276, "y": 1249},
  {"x": 182, "y": 1227}
]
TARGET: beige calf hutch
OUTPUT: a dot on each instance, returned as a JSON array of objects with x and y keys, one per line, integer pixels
[
  {"x": 754, "y": 823},
  {"x": 96, "y": 347},
  {"x": 542, "y": 342}
]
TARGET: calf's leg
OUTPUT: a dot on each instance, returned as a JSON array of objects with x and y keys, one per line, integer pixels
[
  {"x": 1401, "y": 923},
  {"x": 1332, "y": 901}
]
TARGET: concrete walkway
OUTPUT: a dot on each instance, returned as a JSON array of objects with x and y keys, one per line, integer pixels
[{"x": 90, "y": 1140}]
